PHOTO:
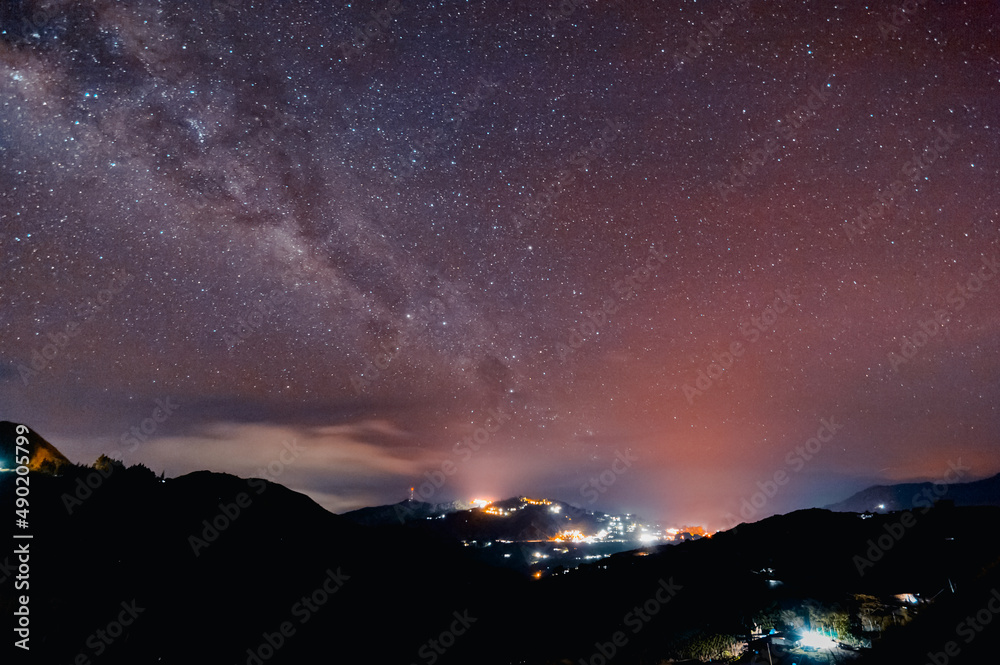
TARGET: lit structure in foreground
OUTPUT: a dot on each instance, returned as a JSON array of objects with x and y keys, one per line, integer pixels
[{"x": 817, "y": 641}]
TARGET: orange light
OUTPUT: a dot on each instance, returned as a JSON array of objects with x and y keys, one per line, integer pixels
[{"x": 569, "y": 534}]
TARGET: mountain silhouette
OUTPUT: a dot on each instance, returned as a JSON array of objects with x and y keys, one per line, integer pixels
[
  {"x": 402, "y": 512},
  {"x": 211, "y": 568},
  {"x": 42, "y": 455},
  {"x": 514, "y": 519},
  {"x": 909, "y": 496}
]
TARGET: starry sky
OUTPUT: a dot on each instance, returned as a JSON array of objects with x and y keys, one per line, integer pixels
[{"x": 642, "y": 256}]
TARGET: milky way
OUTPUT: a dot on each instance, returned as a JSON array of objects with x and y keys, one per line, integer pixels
[{"x": 510, "y": 241}]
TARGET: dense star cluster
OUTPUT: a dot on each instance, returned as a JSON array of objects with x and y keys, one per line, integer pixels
[{"x": 515, "y": 241}]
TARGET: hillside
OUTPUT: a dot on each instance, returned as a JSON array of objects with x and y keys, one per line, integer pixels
[
  {"x": 909, "y": 496},
  {"x": 220, "y": 562},
  {"x": 43, "y": 455},
  {"x": 216, "y": 567}
]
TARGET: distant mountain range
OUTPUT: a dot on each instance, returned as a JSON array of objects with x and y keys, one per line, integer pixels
[
  {"x": 402, "y": 512},
  {"x": 514, "y": 519},
  {"x": 531, "y": 536},
  {"x": 128, "y": 568},
  {"x": 910, "y": 496}
]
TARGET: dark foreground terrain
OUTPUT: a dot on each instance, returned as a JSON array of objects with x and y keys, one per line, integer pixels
[{"x": 125, "y": 567}]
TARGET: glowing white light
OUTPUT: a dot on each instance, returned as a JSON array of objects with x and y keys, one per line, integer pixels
[
  {"x": 647, "y": 538},
  {"x": 817, "y": 640}
]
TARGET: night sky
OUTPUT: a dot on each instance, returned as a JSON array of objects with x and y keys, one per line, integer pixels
[{"x": 505, "y": 244}]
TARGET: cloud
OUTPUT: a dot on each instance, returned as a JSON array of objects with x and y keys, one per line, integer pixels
[{"x": 303, "y": 459}]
